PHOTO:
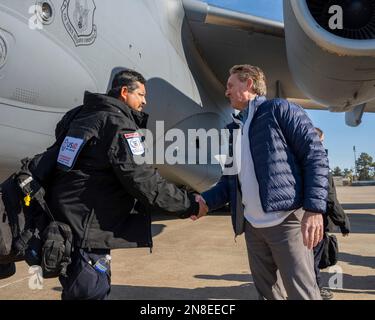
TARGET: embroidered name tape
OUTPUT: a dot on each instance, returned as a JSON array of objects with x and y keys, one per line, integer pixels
[
  {"x": 69, "y": 151},
  {"x": 134, "y": 142}
]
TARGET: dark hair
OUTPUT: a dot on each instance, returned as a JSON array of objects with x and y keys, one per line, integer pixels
[
  {"x": 126, "y": 78},
  {"x": 319, "y": 132}
]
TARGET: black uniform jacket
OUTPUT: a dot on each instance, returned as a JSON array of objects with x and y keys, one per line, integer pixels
[
  {"x": 97, "y": 185},
  {"x": 335, "y": 213}
]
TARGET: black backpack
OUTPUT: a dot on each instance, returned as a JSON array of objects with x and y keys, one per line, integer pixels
[
  {"x": 24, "y": 214},
  {"x": 57, "y": 237},
  {"x": 28, "y": 230},
  {"x": 6, "y": 236},
  {"x": 19, "y": 225}
]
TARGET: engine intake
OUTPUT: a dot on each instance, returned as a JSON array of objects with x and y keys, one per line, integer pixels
[
  {"x": 358, "y": 17},
  {"x": 332, "y": 70}
]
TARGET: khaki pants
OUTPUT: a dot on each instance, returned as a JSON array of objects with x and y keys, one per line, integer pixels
[{"x": 280, "y": 248}]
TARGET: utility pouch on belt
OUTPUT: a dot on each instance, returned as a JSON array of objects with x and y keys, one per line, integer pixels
[{"x": 56, "y": 250}]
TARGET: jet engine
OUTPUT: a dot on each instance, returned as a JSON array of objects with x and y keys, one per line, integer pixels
[{"x": 331, "y": 52}]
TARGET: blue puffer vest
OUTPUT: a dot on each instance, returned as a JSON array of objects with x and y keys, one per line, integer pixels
[{"x": 290, "y": 163}]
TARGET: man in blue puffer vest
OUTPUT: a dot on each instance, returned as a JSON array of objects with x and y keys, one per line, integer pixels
[{"x": 279, "y": 192}]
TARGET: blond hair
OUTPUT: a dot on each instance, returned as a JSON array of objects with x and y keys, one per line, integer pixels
[{"x": 246, "y": 72}]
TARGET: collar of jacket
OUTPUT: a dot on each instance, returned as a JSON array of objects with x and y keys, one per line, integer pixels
[
  {"x": 255, "y": 103},
  {"x": 97, "y": 99}
]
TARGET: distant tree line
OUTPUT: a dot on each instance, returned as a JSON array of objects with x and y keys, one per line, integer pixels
[{"x": 365, "y": 167}]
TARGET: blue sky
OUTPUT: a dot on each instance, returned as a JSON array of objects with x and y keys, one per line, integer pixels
[{"x": 339, "y": 138}]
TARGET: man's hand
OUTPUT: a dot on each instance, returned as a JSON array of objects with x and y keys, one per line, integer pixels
[
  {"x": 312, "y": 229},
  {"x": 344, "y": 231},
  {"x": 203, "y": 209},
  {"x": 345, "y": 234}
]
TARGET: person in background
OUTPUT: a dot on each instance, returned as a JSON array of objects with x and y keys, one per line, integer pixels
[{"x": 335, "y": 215}]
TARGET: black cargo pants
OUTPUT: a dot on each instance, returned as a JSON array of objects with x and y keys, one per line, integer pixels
[{"x": 83, "y": 282}]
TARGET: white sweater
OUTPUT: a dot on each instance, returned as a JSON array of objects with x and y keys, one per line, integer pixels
[{"x": 249, "y": 184}]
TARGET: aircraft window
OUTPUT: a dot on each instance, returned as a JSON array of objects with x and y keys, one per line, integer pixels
[{"x": 46, "y": 11}]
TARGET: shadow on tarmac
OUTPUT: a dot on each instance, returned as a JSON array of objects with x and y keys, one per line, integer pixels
[
  {"x": 354, "y": 259},
  {"x": 358, "y": 206},
  {"x": 157, "y": 228},
  {"x": 364, "y": 283},
  {"x": 245, "y": 291},
  {"x": 241, "y": 292},
  {"x": 227, "y": 277},
  {"x": 362, "y": 223}
]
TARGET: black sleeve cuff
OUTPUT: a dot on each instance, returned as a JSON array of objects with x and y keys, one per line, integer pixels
[{"x": 193, "y": 209}]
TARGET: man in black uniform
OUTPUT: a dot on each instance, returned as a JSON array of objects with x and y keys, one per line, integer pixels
[
  {"x": 97, "y": 183},
  {"x": 335, "y": 216}
]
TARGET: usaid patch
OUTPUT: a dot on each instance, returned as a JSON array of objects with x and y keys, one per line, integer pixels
[
  {"x": 69, "y": 151},
  {"x": 134, "y": 142}
]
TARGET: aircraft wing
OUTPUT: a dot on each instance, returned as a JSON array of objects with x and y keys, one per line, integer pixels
[
  {"x": 370, "y": 106},
  {"x": 225, "y": 38}
]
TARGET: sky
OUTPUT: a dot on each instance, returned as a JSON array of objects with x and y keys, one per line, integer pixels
[{"x": 339, "y": 138}]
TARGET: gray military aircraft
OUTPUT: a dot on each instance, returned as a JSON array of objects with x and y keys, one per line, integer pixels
[{"x": 52, "y": 51}]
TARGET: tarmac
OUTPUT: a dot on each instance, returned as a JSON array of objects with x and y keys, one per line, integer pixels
[{"x": 202, "y": 260}]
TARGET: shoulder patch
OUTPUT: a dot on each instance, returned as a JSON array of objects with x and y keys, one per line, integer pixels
[
  {"x": 134, "y": 142},
  {"x": 69, "y": 150}
]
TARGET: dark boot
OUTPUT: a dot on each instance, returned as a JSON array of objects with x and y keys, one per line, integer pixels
[
  {"x": 326, "y": 294},
  {"x": 7, "y": 270}
]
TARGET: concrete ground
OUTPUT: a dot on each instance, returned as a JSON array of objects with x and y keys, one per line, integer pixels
[{"x": 201, "y": 260}]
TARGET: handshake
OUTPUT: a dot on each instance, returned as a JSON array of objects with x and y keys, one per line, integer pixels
[{"x": 203, "y": 209}]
